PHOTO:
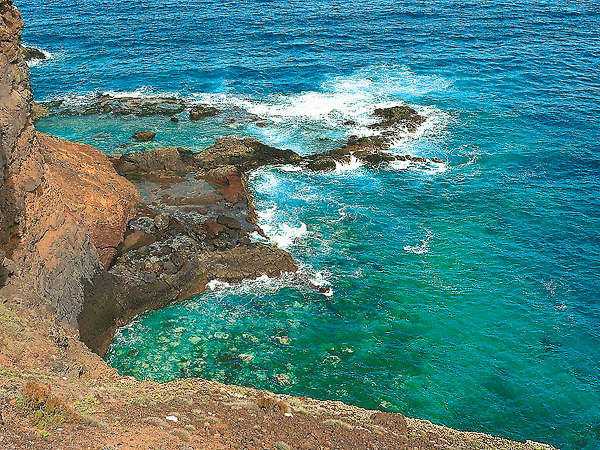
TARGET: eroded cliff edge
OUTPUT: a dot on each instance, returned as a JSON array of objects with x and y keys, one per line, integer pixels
[
  {"x": 87, "y": 241},
  {"x": 63, "y": 207}
]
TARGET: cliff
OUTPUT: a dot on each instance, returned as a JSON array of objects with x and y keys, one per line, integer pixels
[
  {"x": 63, "y": 207},
  {"x": 83, "y": 248}
]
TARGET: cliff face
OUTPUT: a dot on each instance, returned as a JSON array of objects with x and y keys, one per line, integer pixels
[
  {"x": 20, "y": 163},
  {"x": 63, "y": 207}
]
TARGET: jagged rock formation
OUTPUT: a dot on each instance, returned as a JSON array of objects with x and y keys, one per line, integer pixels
[{"x": 32, "y": 53}]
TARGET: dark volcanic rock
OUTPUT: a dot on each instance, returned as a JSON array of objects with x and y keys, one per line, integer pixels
[
  {"x": 229, "y": 222},
  {"x": 165, "y": 159},
  {"x": 121, "y": 106},
  {"x": 144, "y": 135},
  {"x": 403, "y": 116},
  {"x": 31, "y": 53},
  {"x": 245, "y": 154},
  {"x": 372, "y": 150},
  {"x": 325, "y": 162},
  {"x": 201, "y": 111},
  {"x": 135, "y": 106}
]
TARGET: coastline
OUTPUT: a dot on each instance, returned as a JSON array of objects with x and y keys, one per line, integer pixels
[{"x": 57, "y": 241}]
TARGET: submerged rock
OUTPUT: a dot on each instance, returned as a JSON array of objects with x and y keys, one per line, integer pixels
[
  {"x": 144, "y": 135},
  {"x": 282, "y": 379},
  {"x": 135, "y": 106}
]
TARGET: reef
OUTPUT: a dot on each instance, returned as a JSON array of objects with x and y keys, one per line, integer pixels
[{"x": 87, "y": 241}]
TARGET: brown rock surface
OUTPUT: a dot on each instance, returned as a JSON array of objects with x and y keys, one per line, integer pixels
[
  {"x": 201, "y": 111},
  {"x": 144, "y": 135},
  {"x": 101, "y": 201},
  {"x": 63, "y": 208}
]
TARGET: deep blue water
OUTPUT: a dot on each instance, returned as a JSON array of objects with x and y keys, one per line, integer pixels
[{"x": 466, "y": 293}]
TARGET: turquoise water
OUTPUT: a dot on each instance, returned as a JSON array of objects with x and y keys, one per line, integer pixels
[{"x": 465, "y": 293}]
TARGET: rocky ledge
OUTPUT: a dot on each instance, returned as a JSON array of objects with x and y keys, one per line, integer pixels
[
  {"x": 193, "y": 224},
  {"x": 130, "y": 106}
]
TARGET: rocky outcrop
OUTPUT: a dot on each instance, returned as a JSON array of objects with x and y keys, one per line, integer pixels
[
  {"x": 373, "y": 150},
  {"x": 120, "y": 106},
  {"x": 193, "y": 225},
  {"x": 99, "y": 200},
  {"x": 398, "y": 116},
  {"x": 245, "y": 154},
  {"x": 32, "y": 53}
]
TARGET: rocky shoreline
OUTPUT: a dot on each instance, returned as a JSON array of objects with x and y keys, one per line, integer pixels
[{"x": 88, "y": 241}]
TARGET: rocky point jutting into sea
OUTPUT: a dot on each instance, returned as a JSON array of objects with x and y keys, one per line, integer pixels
[{"x": 88, "y": 241}]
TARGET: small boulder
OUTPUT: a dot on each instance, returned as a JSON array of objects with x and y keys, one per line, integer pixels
[
  {"x": 136, "y": 239},
  {"x": 398, "y": 115},
  {"x": 201, "y": 111},
  {"x": 162, "y": 221},
  {"x": 144, "y": 135}
]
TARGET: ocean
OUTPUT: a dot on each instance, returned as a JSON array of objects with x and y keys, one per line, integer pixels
[{"x": 464, "y": 292}]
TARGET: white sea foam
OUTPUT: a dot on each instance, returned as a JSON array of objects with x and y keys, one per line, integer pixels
[
  {"x": 35, "y": 62},
  {"x": 351, "y": 165},
  {"x": 142, "y": 92},
  {"x": 400, "y": 165},
  {"x": 422, "y": 247},
  {"x": 290, "y": 168},
  {"x": 435, "y": 167},
  {"x": 216, "y": 284},
  {"x": 427, "y": 167},
  {"x": 257, "y": 286},
  {"x": 343, "y": 104}
]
